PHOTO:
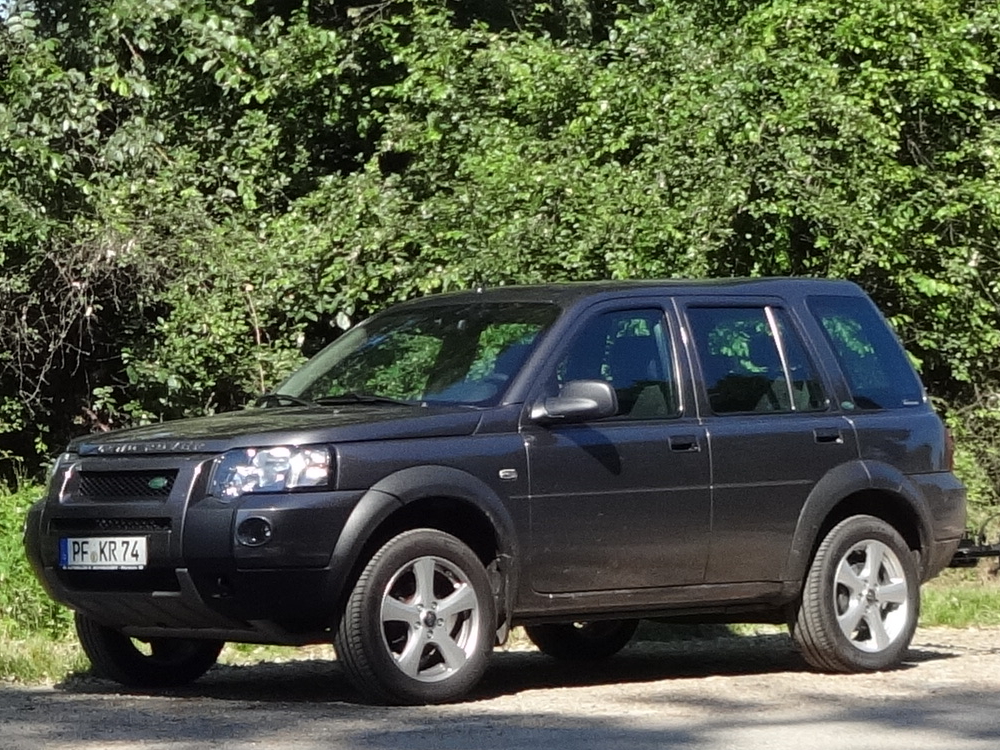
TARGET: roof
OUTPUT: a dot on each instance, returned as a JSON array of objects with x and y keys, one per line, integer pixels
[{"x": 565, "y": 294}]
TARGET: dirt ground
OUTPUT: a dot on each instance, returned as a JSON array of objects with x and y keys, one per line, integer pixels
[{"x": 749, "y": 692}]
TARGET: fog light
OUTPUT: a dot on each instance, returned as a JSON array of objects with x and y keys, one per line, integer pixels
[{"x": 254, "y": 532}]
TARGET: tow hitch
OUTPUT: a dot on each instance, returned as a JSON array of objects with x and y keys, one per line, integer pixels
[{"x": 974, "y": 547}]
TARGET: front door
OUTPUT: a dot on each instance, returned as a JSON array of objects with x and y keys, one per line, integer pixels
[{"x": 623, "y": 502}]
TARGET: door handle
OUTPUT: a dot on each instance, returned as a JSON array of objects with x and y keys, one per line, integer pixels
[
  {"x": 684, "y": 443},
  {"x": 828, "y": 436}
]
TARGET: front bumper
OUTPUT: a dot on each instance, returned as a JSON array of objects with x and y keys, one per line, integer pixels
[{"x": 198, "y": 581}]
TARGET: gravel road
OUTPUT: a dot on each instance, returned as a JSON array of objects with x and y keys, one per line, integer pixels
[{"x": 751, "y": 692}]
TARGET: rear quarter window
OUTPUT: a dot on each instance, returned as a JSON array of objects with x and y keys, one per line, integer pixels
[{"x": 878, "y": 372}]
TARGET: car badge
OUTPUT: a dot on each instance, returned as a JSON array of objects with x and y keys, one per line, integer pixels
[{"x": 157, "y": 483}]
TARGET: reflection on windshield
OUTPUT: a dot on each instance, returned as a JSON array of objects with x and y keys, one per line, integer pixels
[{"x": 456, "y": 354}]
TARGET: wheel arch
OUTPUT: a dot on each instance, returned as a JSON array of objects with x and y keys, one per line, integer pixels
[
  {"x": 859, "y": 488},
  {"x": 438, "y": 497}
]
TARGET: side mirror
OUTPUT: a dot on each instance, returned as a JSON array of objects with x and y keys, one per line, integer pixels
[{"x": 578, "y": 401}]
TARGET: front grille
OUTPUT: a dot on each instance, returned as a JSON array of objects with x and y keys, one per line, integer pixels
[
  {"x": 126, "y": 485},
  {"x": 147, "y": 525}
]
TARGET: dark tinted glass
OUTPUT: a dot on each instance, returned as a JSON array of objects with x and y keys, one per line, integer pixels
[
  {"x": 874, "y": 363},
  {"x": 460, "y": 354},
  {"x": 742, "y": 366},
  {"x": 806, "y": 388},
  {"x": 631, "y": 350}
]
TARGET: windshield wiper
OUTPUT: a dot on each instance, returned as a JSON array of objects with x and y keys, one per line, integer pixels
[
  {"x": 362, "y": 398},
  {"x": 282, "y": 399}
]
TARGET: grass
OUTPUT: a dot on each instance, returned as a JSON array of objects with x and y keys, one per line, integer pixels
[
  {"x": 962, "y": 599},
  {"x": 39, "y": 659}
]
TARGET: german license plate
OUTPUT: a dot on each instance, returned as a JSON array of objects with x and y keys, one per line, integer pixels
[{"x": 103, "y": 553}]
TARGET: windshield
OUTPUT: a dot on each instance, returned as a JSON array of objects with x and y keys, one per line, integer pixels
[{"x": 457, "y": 354}]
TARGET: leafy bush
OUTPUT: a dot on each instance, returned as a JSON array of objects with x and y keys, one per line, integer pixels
[
  {"x": 199, "y": 194},
  {"x": 976, "y": 429},
  {"x": 25, "y": 608}
]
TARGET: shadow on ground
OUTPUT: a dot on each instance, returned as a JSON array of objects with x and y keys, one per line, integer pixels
[
  {"x": 510, "y": 672},
  {"x": 705, "y": 695}
]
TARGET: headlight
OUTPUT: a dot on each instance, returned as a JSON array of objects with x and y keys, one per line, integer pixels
[
  {"x": 60, "y": 470},
  {"x": 277, "y": 469},
  {"x": 62, "y": 463}
]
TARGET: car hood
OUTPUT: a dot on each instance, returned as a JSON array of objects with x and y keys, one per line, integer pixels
[{"x": 284, "y": 426}]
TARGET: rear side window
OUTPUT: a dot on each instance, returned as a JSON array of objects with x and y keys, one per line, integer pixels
[
  {"x": 753, "y": 361},
  {"x": 872, "y": 359}
]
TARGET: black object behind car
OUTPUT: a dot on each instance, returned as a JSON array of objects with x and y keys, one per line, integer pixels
[{"x": 571, "y": 458}]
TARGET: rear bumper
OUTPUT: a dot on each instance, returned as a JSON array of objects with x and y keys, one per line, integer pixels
[
  {"x": 937, "y": 557},
  {"x": 945, "y": 499}
]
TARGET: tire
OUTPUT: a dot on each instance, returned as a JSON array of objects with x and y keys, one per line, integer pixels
[
  {"x": 861, "y": 599},
  {"x": 582, "y": 641},
  {"x": 420, "y": 623},
  {"x": 170, "y": 661}
]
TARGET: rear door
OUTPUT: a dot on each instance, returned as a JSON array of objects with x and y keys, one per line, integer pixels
[{"x": 772, "y": 431}]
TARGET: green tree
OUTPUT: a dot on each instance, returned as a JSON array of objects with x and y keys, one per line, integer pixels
[{"x": 194, "y": 195}]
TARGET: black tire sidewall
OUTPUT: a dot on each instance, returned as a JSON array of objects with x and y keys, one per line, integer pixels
[
  {"x": 566, "y": 642},
  {"x": 113, "y": 655},
  {"x": 841, "y": 539},
  {"x": 392, "y": 684}
]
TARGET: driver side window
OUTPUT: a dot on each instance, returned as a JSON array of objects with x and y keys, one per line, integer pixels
[{"x": 631, "y": 350}]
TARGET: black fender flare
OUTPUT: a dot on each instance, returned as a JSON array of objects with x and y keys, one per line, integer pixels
[
  {"x": 394, "y": 491},
  {"x": 839, "y": 483},
  {"x": 369, "y": 512}
]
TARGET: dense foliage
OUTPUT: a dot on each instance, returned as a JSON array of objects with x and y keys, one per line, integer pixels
[
  {"x": 195, "y": 194},
  {"x": 24, "y": 605}
]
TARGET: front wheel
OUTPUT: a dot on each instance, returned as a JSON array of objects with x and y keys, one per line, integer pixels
[
  {"x": 156, "y": 662},
  {"x": 582, "y": 641},
  {"x": 861, "y": 599},
  {"x": 419, "y": 625}
]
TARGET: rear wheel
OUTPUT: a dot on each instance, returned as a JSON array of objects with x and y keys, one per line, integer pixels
[
  {"x": 582, "y": 641},
  {"x": 156, "y": 662},
  {"x": 861, "y": 599},
  {"x": 419, "y": 625}
]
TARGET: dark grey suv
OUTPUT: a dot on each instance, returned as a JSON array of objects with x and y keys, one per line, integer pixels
[{"x": 570, "y": 458}]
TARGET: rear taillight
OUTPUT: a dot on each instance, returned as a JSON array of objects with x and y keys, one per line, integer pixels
[{"x": 949, "y": 450}]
